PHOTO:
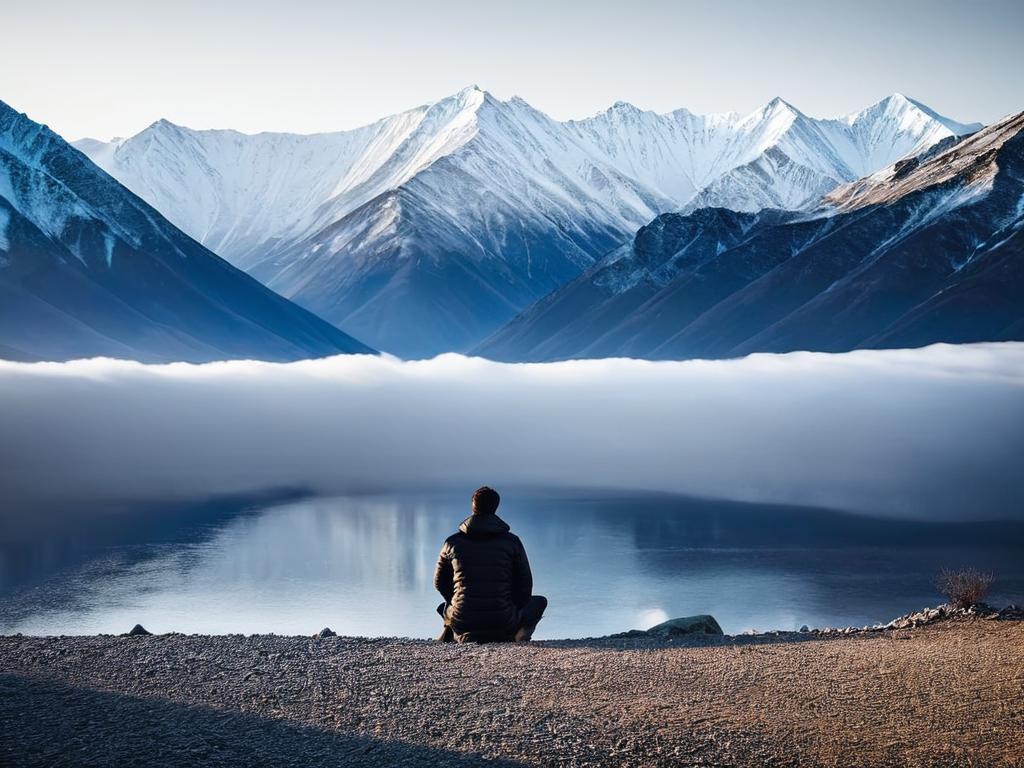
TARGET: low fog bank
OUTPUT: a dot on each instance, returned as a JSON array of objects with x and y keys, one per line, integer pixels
[{"x": 935, "y": 432}]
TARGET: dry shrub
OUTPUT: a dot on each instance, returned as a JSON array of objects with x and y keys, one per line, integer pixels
[{"x": 964, "y": 587}]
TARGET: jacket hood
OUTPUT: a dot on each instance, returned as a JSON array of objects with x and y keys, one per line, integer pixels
[{"x": 484, "y": 525}]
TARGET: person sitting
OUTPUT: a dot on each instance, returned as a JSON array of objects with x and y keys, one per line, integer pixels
[{"x": 484, "y": 576}]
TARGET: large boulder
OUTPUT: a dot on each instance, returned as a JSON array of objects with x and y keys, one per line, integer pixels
[{"x": 703, "y": 624}]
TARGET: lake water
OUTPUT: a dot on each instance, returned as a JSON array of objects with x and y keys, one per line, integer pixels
[{"x": 606, "y": 562}]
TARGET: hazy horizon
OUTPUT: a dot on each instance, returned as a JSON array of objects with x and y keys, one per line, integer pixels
[{"x": 321, "y": 66}]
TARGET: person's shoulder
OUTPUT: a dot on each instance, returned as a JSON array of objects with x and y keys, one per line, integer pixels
[{"x": 454, "y": 538}]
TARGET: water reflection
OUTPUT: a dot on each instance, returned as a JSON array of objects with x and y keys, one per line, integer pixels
[{"x": 364, "y": 565}]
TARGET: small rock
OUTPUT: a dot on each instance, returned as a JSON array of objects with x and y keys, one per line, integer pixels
[
  {"x": 325, "y": 632},
  {"x": 687, "y": 625},
  {"x": 805, "y": 628},
  {"x": 138, "y": 629}
]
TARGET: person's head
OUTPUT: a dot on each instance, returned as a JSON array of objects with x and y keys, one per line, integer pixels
[{"x": 485, "y": 501}]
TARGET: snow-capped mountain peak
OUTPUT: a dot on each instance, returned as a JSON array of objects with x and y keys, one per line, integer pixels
[
  {"x": 87, "y": 269},
  {"x": 247, "y": 190},
  {"x": 497, "y": 186},
  {"x": 889, "y": 130},
  {"x": 625, "y": 108},
  {"x": 779, "y": 105},
  {"x": 900, "y": 102}
]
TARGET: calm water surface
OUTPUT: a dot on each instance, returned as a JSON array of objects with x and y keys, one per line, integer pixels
[{"x": 606, "y": 562}]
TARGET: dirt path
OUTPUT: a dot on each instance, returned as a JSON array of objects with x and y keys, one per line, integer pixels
[{"x": 948, "y": 694}]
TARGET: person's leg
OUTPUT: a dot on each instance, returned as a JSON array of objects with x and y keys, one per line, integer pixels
[
  {"x": 447, "y": 635},
  {"x": 529, "y": 617}
]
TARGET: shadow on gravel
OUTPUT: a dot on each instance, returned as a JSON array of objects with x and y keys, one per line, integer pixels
[{"x": 48, "y": 723}]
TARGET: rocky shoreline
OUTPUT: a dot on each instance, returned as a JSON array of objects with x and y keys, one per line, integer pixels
[{"x": 939, "y": 687}]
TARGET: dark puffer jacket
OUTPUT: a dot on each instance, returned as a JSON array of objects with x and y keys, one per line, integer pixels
[{"x": 485, "y": 578}]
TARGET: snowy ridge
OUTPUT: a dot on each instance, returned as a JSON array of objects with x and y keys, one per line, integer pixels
[
  {"x": 971, "y": 160},
  {"x": 628, "y": 164},
  {"x": 499, "y": 198}
]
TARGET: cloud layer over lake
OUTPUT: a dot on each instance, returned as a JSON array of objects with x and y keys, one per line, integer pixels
[{"x": 935, "y": 432}]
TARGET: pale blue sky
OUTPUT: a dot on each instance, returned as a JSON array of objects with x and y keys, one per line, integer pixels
[{"x": 111, "y": 67}]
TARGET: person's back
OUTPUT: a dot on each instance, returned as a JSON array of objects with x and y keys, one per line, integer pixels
[{"x": 484, "y": 576}]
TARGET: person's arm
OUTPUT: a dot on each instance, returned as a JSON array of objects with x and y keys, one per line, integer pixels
[
  {"x": 522, "y": 576},
  {"x": 444, "y": 576}
]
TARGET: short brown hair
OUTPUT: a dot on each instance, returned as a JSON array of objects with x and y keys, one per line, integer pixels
[{"x": 485, "y": 501}]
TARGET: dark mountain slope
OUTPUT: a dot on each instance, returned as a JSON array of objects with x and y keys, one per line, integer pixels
[
  {"x": 87, "y": 269},
  {"x": 986, "y": 301},
  {"x": 587, "y": 313},
  {"x": 897, "y": 246},
  {"x": 415, "y": 281},
  {"x": 927, "y": 250}
]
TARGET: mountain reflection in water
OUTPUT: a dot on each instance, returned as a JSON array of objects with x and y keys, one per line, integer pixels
[{"x": 607, "y": 562}]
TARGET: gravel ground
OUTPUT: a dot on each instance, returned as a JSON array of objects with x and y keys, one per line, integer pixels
[{"x": 947, "y": 694}]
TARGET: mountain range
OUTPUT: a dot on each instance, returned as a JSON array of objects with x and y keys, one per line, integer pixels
[
  {"x": 928, "y": 249},
  {"x": 88, "y": 269},
  {"x": 429, "y": 230}
]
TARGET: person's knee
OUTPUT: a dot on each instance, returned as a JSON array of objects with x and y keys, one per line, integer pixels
[{"x": 542, "y": 602}]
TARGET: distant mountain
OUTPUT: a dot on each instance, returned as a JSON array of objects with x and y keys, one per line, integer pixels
[
  {"x": 427, "y": 230},
  {"x": 928, "y": 249},
  {"x": 88, "y": 269}
]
